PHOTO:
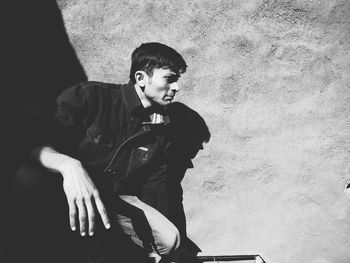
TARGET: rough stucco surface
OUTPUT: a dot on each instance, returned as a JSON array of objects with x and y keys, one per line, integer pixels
[{"x": 271, "y": 79}]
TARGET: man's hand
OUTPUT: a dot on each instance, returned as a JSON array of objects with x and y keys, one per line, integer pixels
[{"x": 82, "y": 196}]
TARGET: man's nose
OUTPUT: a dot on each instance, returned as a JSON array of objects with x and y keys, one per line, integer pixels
[{"x": 174, "y": 87}]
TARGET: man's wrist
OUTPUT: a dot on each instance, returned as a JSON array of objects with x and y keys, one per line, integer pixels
[{"x": 66, "y": 164}]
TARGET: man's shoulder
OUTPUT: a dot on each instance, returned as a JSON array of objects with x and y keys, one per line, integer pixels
[
  {"x": 96, "y": 85},
  {"x": 93, "y": 89}
]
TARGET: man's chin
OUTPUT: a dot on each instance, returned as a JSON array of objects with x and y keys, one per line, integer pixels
[{"x": 166, "y": 102}]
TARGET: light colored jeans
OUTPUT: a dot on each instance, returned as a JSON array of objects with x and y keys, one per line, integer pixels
[{"x": 166, "y": 235}]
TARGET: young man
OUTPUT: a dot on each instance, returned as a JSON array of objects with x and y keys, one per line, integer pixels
[{"x": 116, "y": 153}]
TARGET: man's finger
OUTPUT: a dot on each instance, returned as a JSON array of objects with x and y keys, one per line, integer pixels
[
  {"x": 102, "y": 211},
  {"x": 72, "y": 215},
  {"x": 91, "y": 216},
  {"x": 82, "y": 217}
]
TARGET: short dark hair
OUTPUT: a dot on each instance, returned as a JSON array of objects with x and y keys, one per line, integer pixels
[{"x": 150, "y": 56}]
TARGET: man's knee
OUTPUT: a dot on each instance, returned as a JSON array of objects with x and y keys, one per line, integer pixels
[
  {"x": 31, "y": 186},
  {"x": 170, "y": 242},
  {"x": 27, "y": 179}
]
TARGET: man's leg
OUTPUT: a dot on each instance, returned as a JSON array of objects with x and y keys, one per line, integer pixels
[{"x": 165, "y": 234}]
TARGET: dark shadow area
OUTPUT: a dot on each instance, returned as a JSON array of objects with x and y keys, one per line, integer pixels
[
  {"x": 188, "y": 134},
  {"x": 39, "y": 63},
  {"x": 42, "y": 205}
]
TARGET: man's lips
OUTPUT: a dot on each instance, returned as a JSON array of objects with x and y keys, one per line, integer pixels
[{"x": 169, "y": 97}]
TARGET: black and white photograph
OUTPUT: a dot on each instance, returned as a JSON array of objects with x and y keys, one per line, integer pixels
[{"x": 180, "y": 131}]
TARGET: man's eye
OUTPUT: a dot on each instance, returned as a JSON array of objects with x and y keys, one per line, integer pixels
[{"x": 172, "y": 79}]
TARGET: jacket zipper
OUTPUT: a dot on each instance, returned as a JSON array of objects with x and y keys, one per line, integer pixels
[{"x": 144, "y": 131}]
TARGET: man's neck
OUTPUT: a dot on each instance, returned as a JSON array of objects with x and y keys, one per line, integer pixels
[{"x": 144, "y": 100}]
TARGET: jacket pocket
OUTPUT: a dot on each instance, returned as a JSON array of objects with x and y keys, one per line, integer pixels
[
  {"x": 98, "y": 137},
  {"x": 97, "y": 146},
  {"x": 142, "y": 153}
]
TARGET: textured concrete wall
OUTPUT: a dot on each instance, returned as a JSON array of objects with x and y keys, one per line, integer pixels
[{"x": 271, "y": 78}]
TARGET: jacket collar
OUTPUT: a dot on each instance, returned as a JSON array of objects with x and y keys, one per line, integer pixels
[
  {"x": 132, "y": 101},
  {"x": 136, "y": 109}
]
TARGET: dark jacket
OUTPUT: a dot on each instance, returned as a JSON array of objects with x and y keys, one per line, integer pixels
[{"x": 108, "y": 130}]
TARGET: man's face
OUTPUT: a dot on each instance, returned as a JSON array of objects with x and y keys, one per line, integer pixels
[{"x": 162, "y": 87}]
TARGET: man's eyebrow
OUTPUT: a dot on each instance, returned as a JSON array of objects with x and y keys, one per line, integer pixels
[{"x": 173, "y": 75}]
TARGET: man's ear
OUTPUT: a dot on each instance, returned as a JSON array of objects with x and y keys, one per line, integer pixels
[{"x": 141, "y": 78}]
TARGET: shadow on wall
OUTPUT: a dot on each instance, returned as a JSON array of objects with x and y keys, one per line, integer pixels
[
  {"x": 188, "y": 134},
  {"x": 40, "y": 62}
]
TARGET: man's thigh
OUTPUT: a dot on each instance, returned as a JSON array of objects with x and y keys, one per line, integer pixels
[{"x": 164, "y": 235}]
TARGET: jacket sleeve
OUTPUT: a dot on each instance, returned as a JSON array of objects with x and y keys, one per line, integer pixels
[{"x": 73, "y": 113}]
